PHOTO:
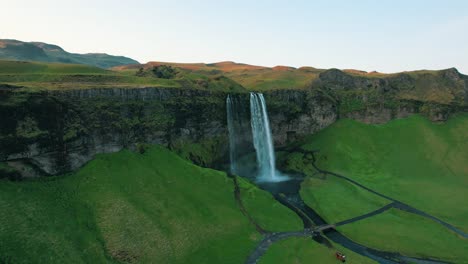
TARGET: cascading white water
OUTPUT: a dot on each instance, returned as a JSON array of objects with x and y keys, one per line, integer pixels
[
  {"x": 262, "y": 138},
  {"x": 239, "y": 143}
]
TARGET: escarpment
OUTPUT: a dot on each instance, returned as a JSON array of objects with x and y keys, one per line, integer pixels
[{"x": 52, "y": 132}]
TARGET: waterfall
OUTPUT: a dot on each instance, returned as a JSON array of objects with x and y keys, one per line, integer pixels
[
  {"x": 245, "y": 128},
  {"x": 262, "y": 138},
  {"x": 231, "y": 110}
]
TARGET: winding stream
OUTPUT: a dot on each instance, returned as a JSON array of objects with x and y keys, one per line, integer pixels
[
  {"x": 287, "y": 193},
  {"x": 286, "y": 190}
]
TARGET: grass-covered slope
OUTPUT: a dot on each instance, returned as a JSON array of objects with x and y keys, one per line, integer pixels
[
  {"x": 37, "y": 51},
  {"x": 306, "y": 250},
  {"x": 147, "y": 208},
  {"x": 276, "y": 78},
  {"x": 408, "y": 234},
  {"x": 337, "y": 200},
  {"x": 413, "y": 160},
  {"x": 266, "y": 211},
  {"x": 25, "y": 68},
  {"x": 249, "y": 76},
  {"x": 393, "y": 230},
  {"x": 40, "y": 75},
  {"x": 71, "y": 76}
]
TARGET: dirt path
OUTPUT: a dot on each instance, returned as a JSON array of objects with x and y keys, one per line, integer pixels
[{"x": 237, "y": 197}]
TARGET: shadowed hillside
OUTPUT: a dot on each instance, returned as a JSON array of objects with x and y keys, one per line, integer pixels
[
  {"x": 127, "y": 207},
  {"x": 38, "y": 51}
]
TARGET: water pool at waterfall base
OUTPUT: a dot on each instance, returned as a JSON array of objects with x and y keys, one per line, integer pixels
[{"x": 277, "y": 177}]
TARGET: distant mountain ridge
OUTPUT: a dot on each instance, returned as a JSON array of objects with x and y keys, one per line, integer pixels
[
  {"x": 223, "y": 66},
  {"x": 11, "y": 49}
]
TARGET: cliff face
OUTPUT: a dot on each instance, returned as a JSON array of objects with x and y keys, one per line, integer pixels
[
  {"x": 52, "y": 132},
  {"x": 379, "y": 98},
  {"x": 294, "y": 114},
  {"x": 59, "y": 131}
]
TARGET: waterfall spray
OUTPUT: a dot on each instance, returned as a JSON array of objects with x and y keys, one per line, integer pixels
[{"x": 230, "y": 110}]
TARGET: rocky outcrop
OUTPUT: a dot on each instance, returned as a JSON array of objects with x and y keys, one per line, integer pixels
[
  {"x": 379, "y": 114},
  {"x": 294, "y": 114},
  {"x": 380, "y": 98}
]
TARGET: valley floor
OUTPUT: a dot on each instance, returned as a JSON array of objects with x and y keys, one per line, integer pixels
[
  {"x": 130, "y": 207},
  {"x": 152, "y": 207},
  {"x": 411, "y": 162}
]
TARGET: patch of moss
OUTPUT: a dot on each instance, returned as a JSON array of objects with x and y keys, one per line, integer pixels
[{"x": 205, "y": 152}]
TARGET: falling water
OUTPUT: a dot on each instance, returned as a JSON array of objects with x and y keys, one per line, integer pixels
[
  {"x": 231, "y": 114},
  {"x": 262, "y": 138}
]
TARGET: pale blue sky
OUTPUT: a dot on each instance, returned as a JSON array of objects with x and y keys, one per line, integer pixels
[{"x": 384, "y": 35}]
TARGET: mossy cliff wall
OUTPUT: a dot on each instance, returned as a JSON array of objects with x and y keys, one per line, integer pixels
[
  {"x": 376, "y": 98},
  {"x": 53, "y": 132},
  {"x": 58, "y": 131}
]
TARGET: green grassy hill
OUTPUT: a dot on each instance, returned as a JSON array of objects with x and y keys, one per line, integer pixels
[
  {"x": 40, "y": 76},
  {"x": 306, "y": 250},
  {"x": 42, "y": 52},
  {"x": 412, "y": 160},
  {"x": 249, "y": 76},
  {"x": 25, "y": 68},
  {"x": 127, "y": 207}
]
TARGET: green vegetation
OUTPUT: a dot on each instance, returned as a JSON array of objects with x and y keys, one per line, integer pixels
[
  {"x": 273, "y": 79},
  {"x": 71, "y": 76},
  {"x": 27, "y": 68},
  {"x": 337, "y": 200},
  {"x": 204, "y": 153},
  {"x": 356, "y": 100},
  {"x": 162, "y": 71},
  {"x": 394, "y": 230},
  {"x": 249, "y": 76},
  {"x": 433, "y": 86},
  {"x": 413, "y": 160},
  {"x": 50, "y": 76},
  {"x": 305, "y": 250},
  {"x": 128, "y": 207},
  {"x": 43, "y": 52},
  {"x": 265, "y": 210},
  {"x": 409, "y": 234}
]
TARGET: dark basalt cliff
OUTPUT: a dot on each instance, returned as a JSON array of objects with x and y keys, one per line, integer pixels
[
  {"x": 380, "y": 98},
  {"x": 56, "y": 132},
  {"x": 53, "y": 132}
]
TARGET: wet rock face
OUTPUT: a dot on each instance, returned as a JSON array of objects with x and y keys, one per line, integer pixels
[{"x": 380, "y": 114}]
